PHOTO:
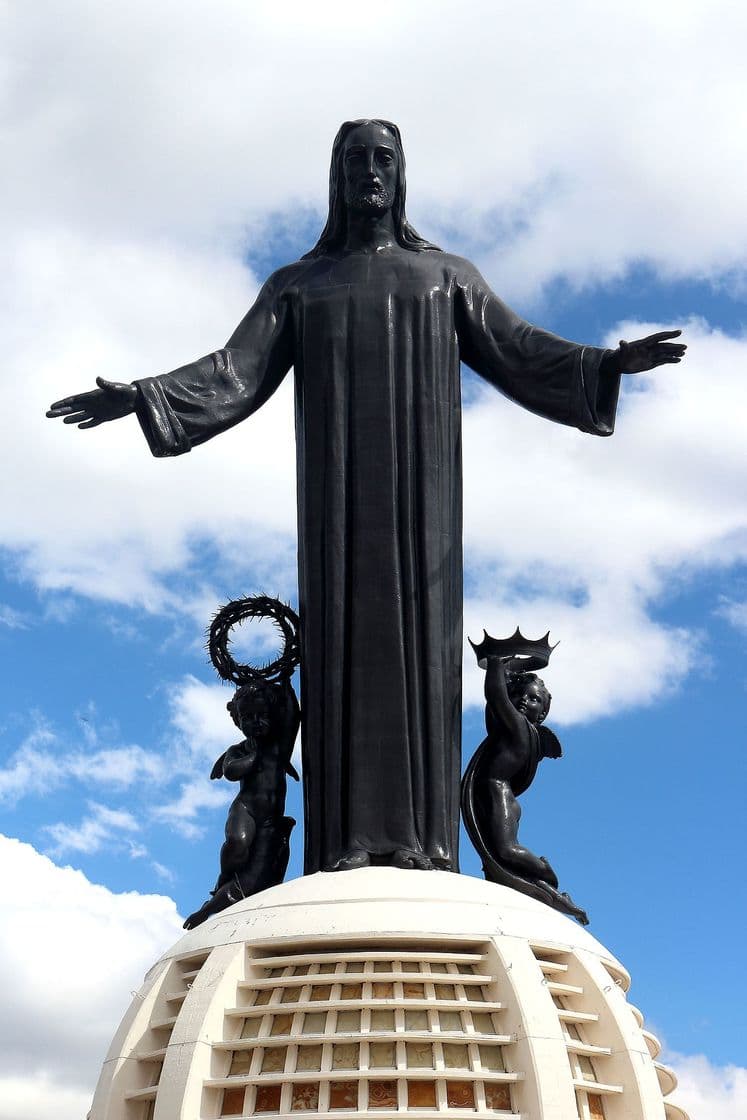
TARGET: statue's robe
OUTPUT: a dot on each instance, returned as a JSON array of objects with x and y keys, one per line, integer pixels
[{"x": 376, "y": 341}]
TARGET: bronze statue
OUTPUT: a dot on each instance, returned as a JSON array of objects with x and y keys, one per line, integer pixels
[
  {"x": 264, "y": 707},
  {"x": 376, "y": 321},
  {"x": 505, "y": 764}
]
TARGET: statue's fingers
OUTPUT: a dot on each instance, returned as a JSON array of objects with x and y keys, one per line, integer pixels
[
  {"x": 93, "y": 423},
  {"x": 666, "y": 359},
  {"x": 661, "y": 336},
  {"x": 104, "y": 384},
  {"x": 671, "y": 348},
  {"x": 76, "y": 417},
  {"x": 60, "y": 408}
]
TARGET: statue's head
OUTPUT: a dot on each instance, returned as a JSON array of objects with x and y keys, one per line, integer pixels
[
  {"x": 252, "y": 707},
  {"x": 367, "y": 173},
  {"x": 530, "y": 696}
]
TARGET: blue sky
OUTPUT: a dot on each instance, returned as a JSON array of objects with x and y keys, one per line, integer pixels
[{"x": 164, "y": 162}]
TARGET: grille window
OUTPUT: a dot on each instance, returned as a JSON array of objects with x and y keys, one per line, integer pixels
[
  {"x": 359, "y": 1029},
  {"x": 149, "y": 1055}
]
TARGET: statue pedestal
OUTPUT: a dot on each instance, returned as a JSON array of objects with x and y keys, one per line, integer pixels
[{"x": 385, "y": 991}]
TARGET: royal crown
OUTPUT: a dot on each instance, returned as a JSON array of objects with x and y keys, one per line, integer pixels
[{"x": 533, "y": 653}]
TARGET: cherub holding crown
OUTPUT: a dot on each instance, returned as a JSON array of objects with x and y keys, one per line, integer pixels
[{"x": 505, "y": 764}]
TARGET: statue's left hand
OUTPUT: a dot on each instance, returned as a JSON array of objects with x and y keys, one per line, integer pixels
[
  {"x": 111, "y": 401},
  {"x": 647, "y": 353}
]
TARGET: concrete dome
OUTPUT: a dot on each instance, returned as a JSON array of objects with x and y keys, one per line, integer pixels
[{"x": 385, "y": 991}]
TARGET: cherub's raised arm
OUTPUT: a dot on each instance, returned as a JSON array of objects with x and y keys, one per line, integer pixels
[{"x": 497, "y": 698}]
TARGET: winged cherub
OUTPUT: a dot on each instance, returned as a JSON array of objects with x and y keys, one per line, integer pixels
[{"x": 503, "y": 767}]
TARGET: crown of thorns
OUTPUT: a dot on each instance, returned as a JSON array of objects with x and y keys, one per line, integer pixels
[{"x": 285, "y": 620}]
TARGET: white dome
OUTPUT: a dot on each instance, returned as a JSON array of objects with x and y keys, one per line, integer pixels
[{"x": 385, "y": 991}]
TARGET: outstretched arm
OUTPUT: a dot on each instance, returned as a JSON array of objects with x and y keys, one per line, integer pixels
[
  {"x": 561, "y": 380},
  {"x": 192, "y": 404}
]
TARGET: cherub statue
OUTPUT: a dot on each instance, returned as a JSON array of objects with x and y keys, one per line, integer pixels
[
  {"x": 505, "y": 764},
  {"x": 256, "y": 849}
]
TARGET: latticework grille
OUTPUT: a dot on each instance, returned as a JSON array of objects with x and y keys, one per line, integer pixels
[
  {"x": 355, "y": 1029},
  {"x": 150, "y": 1054},
  {"x": 576, "y": 1016}
]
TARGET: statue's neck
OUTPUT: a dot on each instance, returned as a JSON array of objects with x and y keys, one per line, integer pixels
[{"x": 370, "y": 232}]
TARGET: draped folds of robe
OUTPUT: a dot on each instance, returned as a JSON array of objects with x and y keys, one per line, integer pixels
[{"x": 375, "y": 340}]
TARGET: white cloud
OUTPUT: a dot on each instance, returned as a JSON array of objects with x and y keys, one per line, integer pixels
[
  {"x": 194, "y": 795},
  {"x": 134, "y": 518},
  {"x": 598, "y": 140},
  {"x": 662, "y": 501},
  {"x": 173, "y": 781},
  {"x": 12, "y": 618},
  {"x": 32, "y": 768},
  {"x": 551, "y": 163},
  {"x": 163, "y": 872},
  {"x": 708, "y": 1091},
  {"x": 116, "y": 766},
  {"x": 198, "y": 712},
  {"x": 61, "y": 960},
  {"x": 734, "y": 612},
  {"x": 43, "y": 762},
  {"x": 28, "y": 1097},
  {"x": 100, "y": 828}
]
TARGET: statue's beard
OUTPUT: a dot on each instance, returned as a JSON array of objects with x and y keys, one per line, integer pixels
[{"x": 372, "y": 202}]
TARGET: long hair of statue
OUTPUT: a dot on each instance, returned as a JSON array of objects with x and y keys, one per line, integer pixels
[{"x": 333, "y": 235}]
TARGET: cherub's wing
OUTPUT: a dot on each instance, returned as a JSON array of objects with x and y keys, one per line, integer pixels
[{"x": 549, "y": 743}]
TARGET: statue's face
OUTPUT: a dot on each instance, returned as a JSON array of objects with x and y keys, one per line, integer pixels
[
  {"x": 531, "y": 701},
  {"x": 250, "y": 711},
  {"x": 371, "y": 169}
]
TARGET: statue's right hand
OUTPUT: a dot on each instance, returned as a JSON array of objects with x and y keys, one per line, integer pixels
[{"x": 110, "y": 401}]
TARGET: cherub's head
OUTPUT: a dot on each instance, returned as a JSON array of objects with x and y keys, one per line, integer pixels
[
  {"x": 530, "y": 696},
  {"x": 251, "y": 708}
]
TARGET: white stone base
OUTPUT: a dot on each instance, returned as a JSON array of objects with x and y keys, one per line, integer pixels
[{"x": 385, "y": 991}]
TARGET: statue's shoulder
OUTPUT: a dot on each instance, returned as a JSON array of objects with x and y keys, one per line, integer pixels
[
  {"x": 288, "y": 276},
  {"x": 459, "y": 267}
]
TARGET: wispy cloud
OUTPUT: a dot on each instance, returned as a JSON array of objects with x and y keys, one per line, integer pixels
[
  {"x": 32, "y": 768},
  {"x": 44, "y": 762},
  {"x": 102, "y": 827},
  {"x": 13, "y": 619},
  {"x": 173, "y": 780},
  {"x": 163, "y": 872},
  {"x": 734, "y": 612},
  {"x": 182, "y": 813}
]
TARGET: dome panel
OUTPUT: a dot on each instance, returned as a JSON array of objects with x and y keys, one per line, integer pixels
[{"x": 382, "y": 991}]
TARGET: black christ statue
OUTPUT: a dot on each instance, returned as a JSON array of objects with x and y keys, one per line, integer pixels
[{"x": 375, "y": 322}]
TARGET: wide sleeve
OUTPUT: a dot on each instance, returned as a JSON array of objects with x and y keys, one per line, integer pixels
[
  {"x": 198, "y": 401},
  {"x": 561, "y": 380}
]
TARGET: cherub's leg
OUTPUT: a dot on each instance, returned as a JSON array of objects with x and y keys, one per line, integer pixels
[
  {"x": 241, "y": 830},
  {"x": 565, "y": 903},
  {"x": 504, "y": 816},
  {"x": 220, "y": 899}
]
